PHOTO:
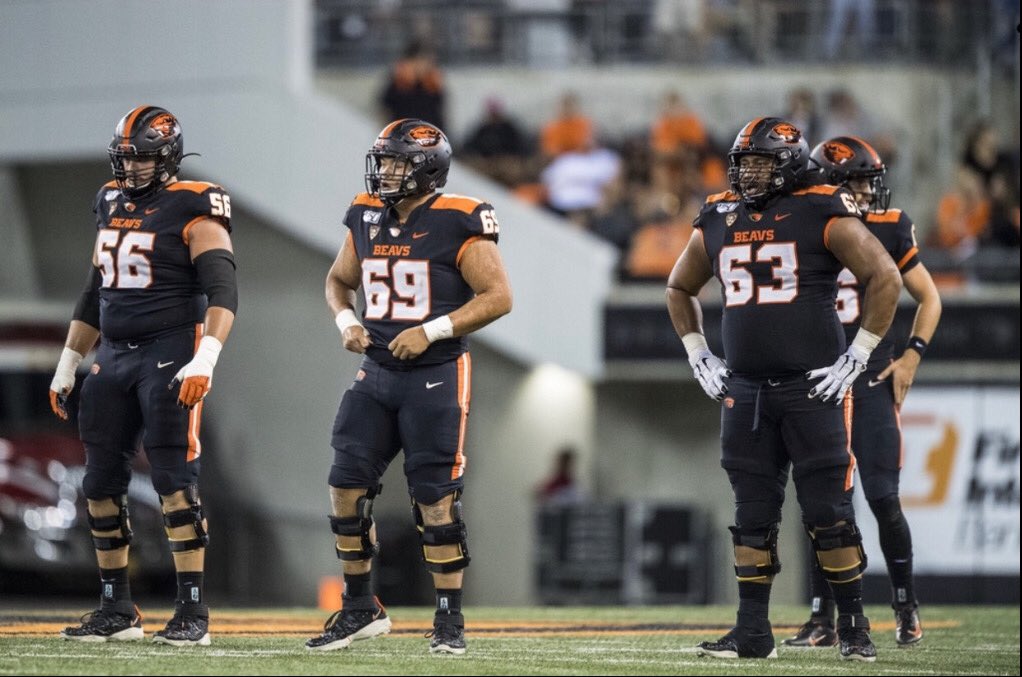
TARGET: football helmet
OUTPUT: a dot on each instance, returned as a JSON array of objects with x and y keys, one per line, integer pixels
[
  {"x": 146, "y": 133},
  {"x": 844, "y": 158},
  {"x": 410, "y": 158},
  {"x": 772, "y": 138}
]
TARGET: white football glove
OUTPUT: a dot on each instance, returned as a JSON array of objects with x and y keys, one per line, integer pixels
[
  {"x": 709, "y": 369},
  {"x": 839, "y": 377},
  {"x": 196, "y": 377},
  {"x": 63, "y": 381}
]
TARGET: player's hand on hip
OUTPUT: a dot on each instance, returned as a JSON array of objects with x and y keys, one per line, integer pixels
[
  {"x": 409, "y": 344},
  {"x": 196, "y": 377},
  {"x": 903, "y": 372},
  {"x": 710, "y": 371},
  {"x": 356, "y": 339},
  {"x": 63, "y": 381},
  {"x": 838, "y": 378}
]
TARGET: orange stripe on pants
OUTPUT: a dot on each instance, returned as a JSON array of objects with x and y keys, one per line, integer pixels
[
  {"x": 464, "y": 398},
  {"x": 195, "y": 415},
  {"x": 849, "y": 411}
]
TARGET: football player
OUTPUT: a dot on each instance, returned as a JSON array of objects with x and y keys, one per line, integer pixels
[
  {"x": 431, "y": 273},
  {"x": 876, "y": 432},
  {"x": 777, "y": 246},
  {"x": 160, "y": 297}
]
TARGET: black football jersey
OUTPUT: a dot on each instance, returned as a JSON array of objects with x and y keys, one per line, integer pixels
[
  {"x": 150, "y": 286},
  {"x": 896, "y": 233},
  {"x": 778, "y": 279},
  {"x": 410, "y": 272}
]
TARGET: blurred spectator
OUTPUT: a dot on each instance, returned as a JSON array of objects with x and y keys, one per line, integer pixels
[
  {"x": 962, "y": 215},
  {"x": 497, "y": 147},
  {"x": 844, "y": 116},
  {"x": 575, "y": 180},
  {"x": 680, "y": 29},
  {"x": 839, "y": 29},
  {"x": 561, "y": 487},
  {"x": 984, "y": 156},
  {"x": 677, "y": 129},
  {"x": 1003, "y": 227},
  {"x": 569, "y": 131},
  {"x": 802, "y": 113},
  {"x": 666, "y": 208},
  {"x": 614, "y": 219},
  {"x": 415, "y": 87}
]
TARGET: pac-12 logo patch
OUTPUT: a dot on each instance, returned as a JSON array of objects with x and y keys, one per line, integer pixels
[
  {"x": 730, "y": 219},
  {"x": 360, "y": 375}
]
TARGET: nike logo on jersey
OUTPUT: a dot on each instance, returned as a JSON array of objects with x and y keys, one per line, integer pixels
[
  {"x": 151, "y": 210},
  {"x": 161, "y": 365},
  {"x": 874, "y": 384},
  {"x": 430, "y": 386},
  {"x": 781, "y": 217},
  {"x": 416, "y": 236}
]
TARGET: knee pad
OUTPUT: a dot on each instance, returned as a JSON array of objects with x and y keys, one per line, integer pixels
[
  {"x": 758, "y": 539},
  {"x": 454, "y": 533},
  {"x": 118, "y": 522},
  {"x": 97, "y": 486},
  {"x": 358, "y": 525},
  {"x": 845, "y": 535},
  {"x": 190, "y": 516}
]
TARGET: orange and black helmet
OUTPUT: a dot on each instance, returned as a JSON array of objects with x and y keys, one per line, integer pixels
[
  {"x": 409, "y": 158},
  {"x": 146, "y": 133},
  {"x": 775, "y": 138},
  {"x": 843, "y": 158}
]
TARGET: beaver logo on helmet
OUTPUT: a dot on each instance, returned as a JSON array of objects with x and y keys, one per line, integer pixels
[
  {"x": 837, "y": 152},
  {"x": 164, "y": 124},
  {"x": 788, "y": 132},
  {"x": 425, "y": 136}
]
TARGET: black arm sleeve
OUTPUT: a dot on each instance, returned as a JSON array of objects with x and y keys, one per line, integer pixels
[
  {"x": 217, "y": 278},
  {"x": 87, "y": 308}
]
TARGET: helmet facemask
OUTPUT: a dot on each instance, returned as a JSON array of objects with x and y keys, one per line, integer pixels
[
  {"x": 879, "y": 194},
  {"x": 757, "y": 181},
  {"x": 392, "y": 176}
]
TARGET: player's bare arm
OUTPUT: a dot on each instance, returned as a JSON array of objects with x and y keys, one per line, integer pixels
[
  {"x": 921, "y": 287},
  {"x": 483, "y": 270},
  {"x": 691, "y": 271},
  {"x": 209, "y": 246},
  {"x": 342, "y": 281}
]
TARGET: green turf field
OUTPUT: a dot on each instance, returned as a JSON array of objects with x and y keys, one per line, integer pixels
[{"x": 550, "y": 641}]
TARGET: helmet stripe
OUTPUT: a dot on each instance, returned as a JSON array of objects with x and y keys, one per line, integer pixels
[
  {"x": 876, "y": 156},
  {"x": 390, "y": 128},
  {"x": 747, "y": 131},
  {"x": 129, "y": 122}
]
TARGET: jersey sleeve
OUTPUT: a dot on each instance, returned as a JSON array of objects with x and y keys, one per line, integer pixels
[
  {"x": 481, "y": 222},
  {"x": 838, "y": 204},
  {"x": 907, "y": 250},
  {"x": 215, "y": 203}
]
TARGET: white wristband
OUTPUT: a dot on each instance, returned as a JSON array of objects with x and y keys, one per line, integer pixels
[
  {"x": 66, "y": 367},
  {"x": 346, "y": 318},
  {"x": 694, "y": 342},
  {"x": 866, "y": 340},
  {"x": 440, "y": 328},
  {"x": 209, "y": 350}
]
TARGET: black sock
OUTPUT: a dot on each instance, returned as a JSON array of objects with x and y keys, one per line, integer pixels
[
  {"x": 358, "y": 591},
  {"x": 754, "y": 605},
  {"x": 896, "y": 544},
  {"x": 115, "y": 591},
  {"x": 848, "y": 597},
  {"x": 822, "y": 608},
  {"x": 190, "y": 595},
  {"x": 448, "y": 604}
]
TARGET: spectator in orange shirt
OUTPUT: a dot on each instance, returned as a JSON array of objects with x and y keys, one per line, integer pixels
[
  {"x": 415, "y": 88},
  {"x": 678, "y": 128},
  {"x": 962, "y": 215},
  {"x": 569, "y": 131}
]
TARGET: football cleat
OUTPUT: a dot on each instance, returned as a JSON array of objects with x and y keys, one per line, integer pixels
[
  {"x": 907, "y": 629},
  {"x": 104, "y": 625},
  {"x": 184, "y": 630},
  {"x": 740, "y": 643},
  {"x": 814, "y": 634},
  {"x": 350, "y": 625},
  {"x": 855, "y": 642},
  {"x": 446, "y": 638}
]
